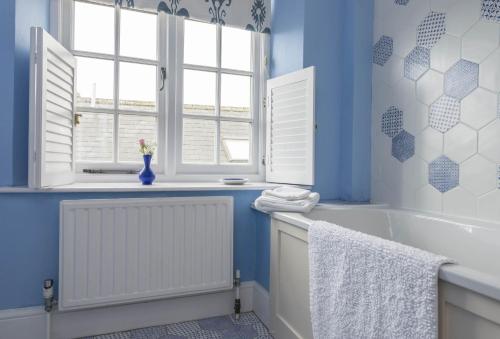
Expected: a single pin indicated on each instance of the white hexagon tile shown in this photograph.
(437, 106)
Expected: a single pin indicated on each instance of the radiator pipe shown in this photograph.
(237, 301)
(48, 297)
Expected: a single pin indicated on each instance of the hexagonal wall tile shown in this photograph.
(444, 113)
(417, 62)
(461, 16)
(487, 206)
(391, 72)
(460, 143)
(416, 117)
(489, 72)
(392, 121)
(491, 10)
(382, 50)
(489, 141)
(403, 146)
(461, 79)
(442, 5)
(480, 41)
(429, 144)
(478, 175)
(446, 53)
(459, 202)
(479, 108)
(401, 2)
(431, 29)
(443, 174)
(430, 87)
(428, 199)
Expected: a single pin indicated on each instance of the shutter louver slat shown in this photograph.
(290, 128)
(52, 97)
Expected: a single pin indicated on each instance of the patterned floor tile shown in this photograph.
(226, 327)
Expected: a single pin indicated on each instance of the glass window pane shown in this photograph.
(138, 34)
(132, 128)
(137, 87)
(235, 96)
(236, 48)
(94, 28)
(199, 141)
(235, 142)
(94, 82)
(94, 137)
(199, 92)
(200, 43)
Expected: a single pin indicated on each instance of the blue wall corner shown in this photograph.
(287, 39)
(28, 13)
(263, 248)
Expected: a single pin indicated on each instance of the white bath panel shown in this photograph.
(131, 250)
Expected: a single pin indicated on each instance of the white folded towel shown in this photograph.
(272, 204)
(288, 193)
(367, 287)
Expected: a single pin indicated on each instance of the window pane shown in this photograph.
(131, 129)
(94, 85)
(138, 34)
(236, 48)
(235, 142)
(137, 87)
(199, 141)
(94, 137)
(235, 96)
(199, 92)
(200, 43)
(94, 28)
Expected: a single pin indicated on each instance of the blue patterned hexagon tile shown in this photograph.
(224, 327)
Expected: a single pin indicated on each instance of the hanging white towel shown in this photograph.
(288, 193)
(272, 204)
(362, 286)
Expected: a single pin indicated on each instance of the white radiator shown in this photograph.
(128, 250)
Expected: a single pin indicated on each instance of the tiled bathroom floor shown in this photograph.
(225, 327)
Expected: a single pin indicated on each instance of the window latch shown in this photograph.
(163, 75)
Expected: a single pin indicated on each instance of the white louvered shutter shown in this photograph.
(290, 128)
(52, 112)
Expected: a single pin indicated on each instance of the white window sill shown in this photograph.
(137, 187)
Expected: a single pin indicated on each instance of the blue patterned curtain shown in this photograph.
(253, 15)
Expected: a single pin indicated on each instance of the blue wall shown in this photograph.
(337, 39)
(7, 60)
(29, 240)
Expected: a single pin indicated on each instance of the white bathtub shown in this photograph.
(469, 290)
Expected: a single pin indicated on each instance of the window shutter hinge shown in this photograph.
(263, 161)
(34, 156)
(36, 58)
(264, 103)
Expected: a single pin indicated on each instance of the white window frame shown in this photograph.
(170, 55)
(254, 73)
(68, 11)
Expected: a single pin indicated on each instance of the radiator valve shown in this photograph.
(48, 294)
(237, 302)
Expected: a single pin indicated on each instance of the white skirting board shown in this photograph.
(30, 323)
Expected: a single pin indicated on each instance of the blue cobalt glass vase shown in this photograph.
(147, 175)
